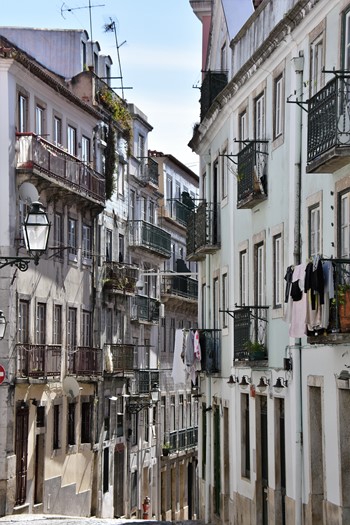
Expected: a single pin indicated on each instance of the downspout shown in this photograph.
(297, 365)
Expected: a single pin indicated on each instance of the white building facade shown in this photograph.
(273, 144)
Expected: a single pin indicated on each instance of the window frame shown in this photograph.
(278, 106)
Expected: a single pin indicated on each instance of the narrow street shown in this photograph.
(46, 519)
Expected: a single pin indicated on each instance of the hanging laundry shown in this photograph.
(179, 368)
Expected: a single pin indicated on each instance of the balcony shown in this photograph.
(213, 83)
(144, 380)
(62, 172)
(337, 330)
(85, 361)
(38, 361)
(178, 212)
(250, 323)
(210, 343)
(118, 358)
(145, 309)
(180, 287)
(150, 237)
(328, 138)
(183, 439)
(252, 175)
(148, 171)
(119, 277)
(203, 231)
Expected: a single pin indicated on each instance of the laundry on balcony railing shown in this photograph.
(195, 351)
(317, 294)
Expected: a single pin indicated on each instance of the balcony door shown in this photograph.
(22, 416)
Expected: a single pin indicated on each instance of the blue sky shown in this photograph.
(160, 60)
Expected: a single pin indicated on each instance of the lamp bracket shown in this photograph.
(21, 263)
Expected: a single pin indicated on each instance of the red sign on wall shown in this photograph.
(2, 374)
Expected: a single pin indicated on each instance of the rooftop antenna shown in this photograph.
(64, 8)
(111, 27)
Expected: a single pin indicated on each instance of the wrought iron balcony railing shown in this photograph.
(183, 439)
(203, 231)
(178, 211)
(250, 324)
(85, 361)
(150, 237)
(118, 358)
(180, 286)
(210, 343)
(148, 171)
(252, 174)
(145, 308)
(328, 137)
(38, 361)
(120, 277)
(40, 157)
(213, 83)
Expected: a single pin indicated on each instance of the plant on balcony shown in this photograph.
(343, 298)
(255, 350)
(119, 112)
(110, 162)
(166, 448)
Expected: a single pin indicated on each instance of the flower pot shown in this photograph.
(165, 452)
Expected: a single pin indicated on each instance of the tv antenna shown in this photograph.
(108, 28)
(65, 8)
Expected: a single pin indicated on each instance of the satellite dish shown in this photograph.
(70, 386)
(28, 192)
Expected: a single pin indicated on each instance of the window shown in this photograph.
(72, 237)
(314, 230)
(39, 120)
(172, 334)
(143, 209)
(121, 247)
(57, 324)
(204, 304)
(278, 116)
(57, 131)
(224, 174)
(121, 178)
(56, 434)
(141, 148)
(146, 424)
(108, 245)
(277, 271)
(243, 278)
(107, 417)
(245, 436)
(40, 329)
(133, 495)
(152, 214)
(243, 127)
(105, 470)
(224, 300)
(216, 303)
(85, 149)
(316, 65)
(72, 140)
(120, 417)
(86, 422)
(23, 319)
(87, 242)
(344, 221)
(260, 117)
(259, 274)
(223, 58)
(72, 329)
(169, 194)
(132, 205)
(109, 325)
(22, 113)
(71, 424)
(181, 412)
(86, 333)
(172, 414)
(134, 428)
(58, 234)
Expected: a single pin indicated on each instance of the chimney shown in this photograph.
(256, 3)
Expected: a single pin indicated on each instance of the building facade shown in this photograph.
(273, 144)
(80, 432)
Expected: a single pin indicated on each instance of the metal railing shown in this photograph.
(203, 229)
(213, 83)
(144, 308)
(183, 439)
(180, 286)
(328, 118)
(38, 361)
(147, 235)
(36, 153)
(118, 357)
(148, 171)
(210, 343)
(85, 361)
(251, 171)
(120, 276)
(250, 323)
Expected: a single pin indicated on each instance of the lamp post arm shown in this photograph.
(21, 263)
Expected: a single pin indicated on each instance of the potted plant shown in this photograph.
(255, 350)
(166, 448)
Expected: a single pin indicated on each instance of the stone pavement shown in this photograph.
(47, 519)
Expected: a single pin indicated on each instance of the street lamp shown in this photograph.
(139, 402)
(36, 229)
(3, 324)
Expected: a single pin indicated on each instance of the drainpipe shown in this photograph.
(298, 63)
